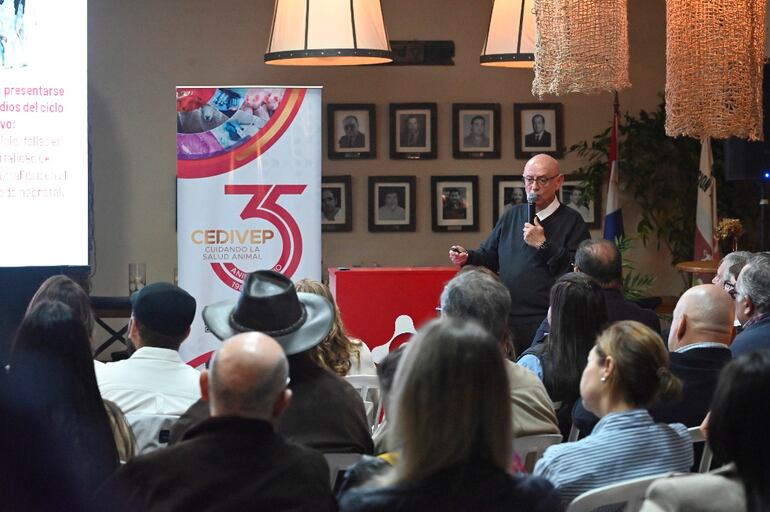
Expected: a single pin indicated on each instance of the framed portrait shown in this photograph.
(476, 130)
(507, 191)
(351, 130)
(537, 128)
(392, 203)
(336, 204)
(573, 195)
(413, 131)
(454, 203)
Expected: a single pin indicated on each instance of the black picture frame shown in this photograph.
(507, 189)
(465, 116)
(425, 120)
(525, 138)
(464, 216)
(589, 208)
(362, 144)
(384, 216)
(338, 188)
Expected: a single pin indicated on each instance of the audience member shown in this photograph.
(601, 260)
(729, 268)
(386, 373)
(338, 352)
(479, 297)
(63, 289)
(326, 412)
(452, 421)
(66, 291)
(233, 460)
(154, 380)
(699, 339)
(52, 377)
(576, 315)
(752, 305)
(737, 427)
(627, 371)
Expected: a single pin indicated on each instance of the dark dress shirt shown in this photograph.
(223, 464)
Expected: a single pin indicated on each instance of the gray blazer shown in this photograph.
(717, 491)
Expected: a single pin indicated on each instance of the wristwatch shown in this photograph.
(544, 246)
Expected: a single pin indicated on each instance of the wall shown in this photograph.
(139, 51)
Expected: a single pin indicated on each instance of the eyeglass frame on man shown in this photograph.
(540, 180)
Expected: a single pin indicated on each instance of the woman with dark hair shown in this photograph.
(737, 432)
(52, 375)
(627, 371)
(63, 289)
(451, 418)
(576, 315)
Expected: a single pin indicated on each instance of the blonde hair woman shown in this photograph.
(338, 352)
(627, 372)
(451, 416)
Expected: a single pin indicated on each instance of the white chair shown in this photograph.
(339, 462)
(531, 448)
(696, 436)
(630, 492)
(150, 430)
(368, 386)
(574, 434)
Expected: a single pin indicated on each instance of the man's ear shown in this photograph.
(681, 329)
(281, 403)
(204, 384)
(748, 306)
(609, 368)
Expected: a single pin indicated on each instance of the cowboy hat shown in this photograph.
(269, 304)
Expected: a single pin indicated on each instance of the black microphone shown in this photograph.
(531, 197)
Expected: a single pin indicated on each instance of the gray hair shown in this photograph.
(477, 296)
(255, 397)
(754, 281)
(734, 262)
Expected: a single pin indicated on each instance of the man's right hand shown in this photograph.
(458, 255)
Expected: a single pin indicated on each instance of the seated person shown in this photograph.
(154, 380)
(576, 314)
(737, 432)
(326, 413)
(627, 371)
(452, 422)
(752, 305)
(475, 295)
(234, 460)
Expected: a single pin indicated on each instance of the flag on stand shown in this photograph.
(613, 218)
(706, 247)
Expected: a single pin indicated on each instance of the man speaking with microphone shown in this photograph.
(531, 245)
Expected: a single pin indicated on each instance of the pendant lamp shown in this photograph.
(328, 33)
(511, 36)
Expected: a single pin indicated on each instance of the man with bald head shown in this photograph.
(234, 460)
(699, 339)
(530, 257)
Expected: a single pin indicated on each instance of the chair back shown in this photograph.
(368, 386)
(531, 448)
(630, 492)
(338, 463)
(150, 430)
(696, 436)
(574, 433)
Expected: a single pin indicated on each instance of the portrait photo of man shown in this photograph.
(352, 136)
(454, 205)
(539, 137)
(477, 132)
(391, 199)
(412, 130)
(572, 196)
(331, 212)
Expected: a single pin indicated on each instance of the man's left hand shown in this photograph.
(534, 235)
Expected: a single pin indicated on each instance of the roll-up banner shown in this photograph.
(248, 192)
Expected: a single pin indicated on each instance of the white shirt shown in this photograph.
(153, 380)
(548, 211)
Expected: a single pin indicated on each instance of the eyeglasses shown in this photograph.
(730, 289)
(541, 180)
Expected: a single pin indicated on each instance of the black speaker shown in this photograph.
(746, 160)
